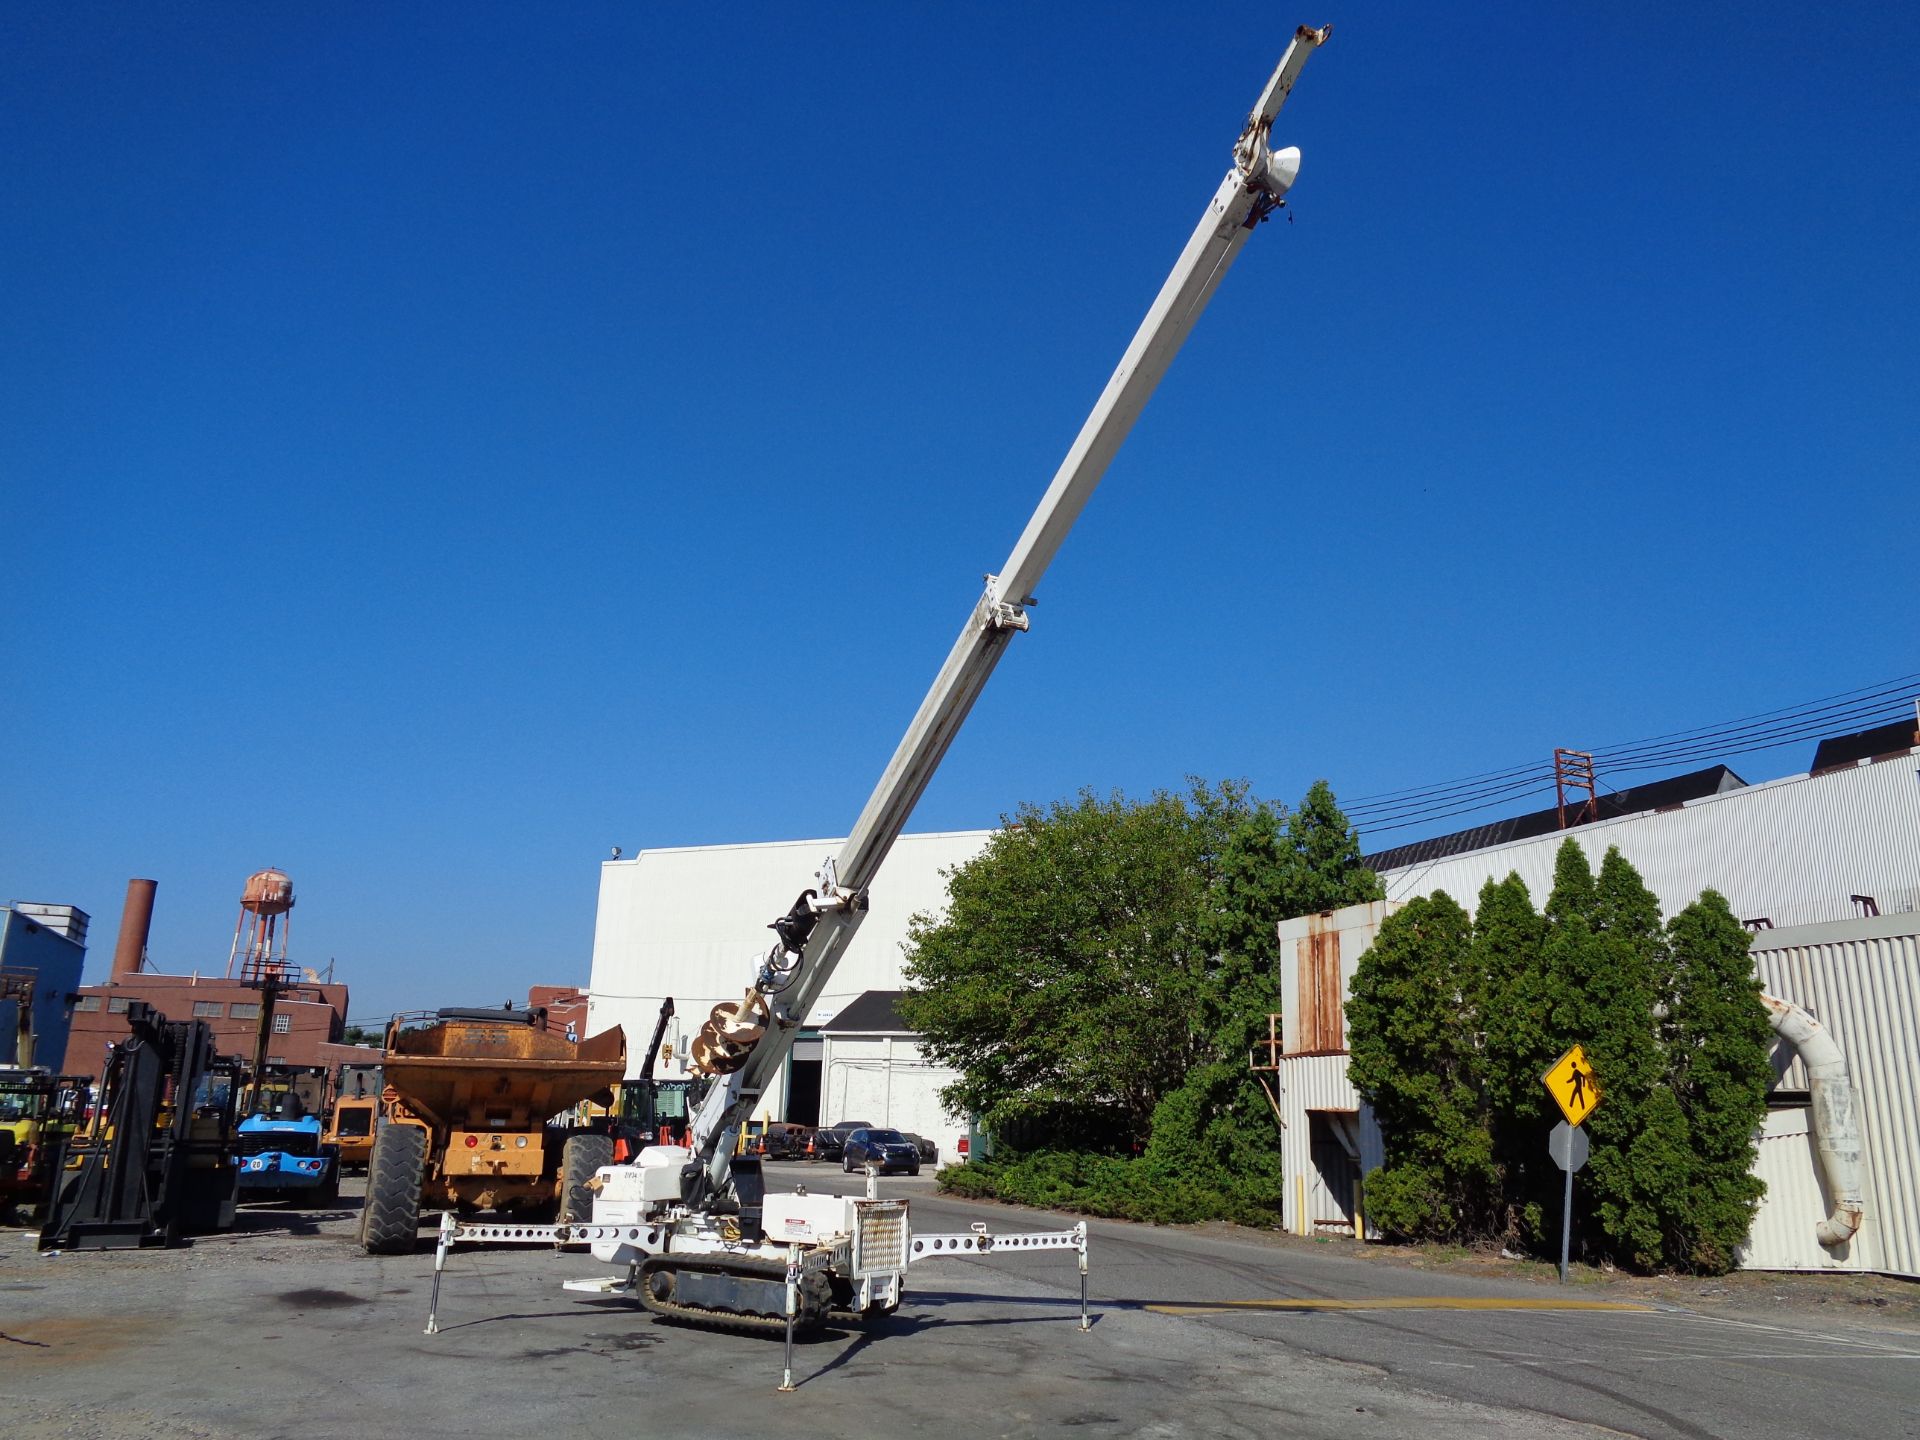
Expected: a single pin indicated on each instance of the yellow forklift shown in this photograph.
(38, 1112)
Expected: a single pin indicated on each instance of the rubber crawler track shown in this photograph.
(815, 1295)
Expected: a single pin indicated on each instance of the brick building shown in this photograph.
(303, 1023)
(566, 1008)
(308, 1017)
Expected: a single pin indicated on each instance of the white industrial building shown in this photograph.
(1796, 851)
(1824, 867)
(691, 924)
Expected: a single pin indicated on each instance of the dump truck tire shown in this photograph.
(579, 1159)
(390, 1220)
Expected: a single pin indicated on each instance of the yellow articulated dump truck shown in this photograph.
(467, 1121)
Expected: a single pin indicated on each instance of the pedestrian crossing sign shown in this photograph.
(1573, 1085)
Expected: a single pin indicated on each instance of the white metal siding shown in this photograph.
(692, 924)
(1861, 980)
(886, 1079)
(1792, 850)
(1783, 1228)
(1317, 1082)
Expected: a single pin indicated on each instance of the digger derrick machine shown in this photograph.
(714, 1244)
(702, 1241)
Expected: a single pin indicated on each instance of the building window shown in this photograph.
(243, 1010)
(116, 1004)
(282, 1024)
(87, 1002)
(276, 1059)
(209, 1009)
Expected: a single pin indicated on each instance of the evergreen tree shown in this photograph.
(1641, 1141)
(1411, 1033)
(1249, 877)
(1718, 1071)
(1262, 867)
(1321, 859)
(1217, 1126)
(1516, 1049)
(1573, 890)
(1507, 936)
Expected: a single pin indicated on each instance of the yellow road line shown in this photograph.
(1398, 1302)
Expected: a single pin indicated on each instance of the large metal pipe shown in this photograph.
(1836, 1128)
(136, 919)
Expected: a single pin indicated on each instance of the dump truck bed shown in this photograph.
(475, 1072)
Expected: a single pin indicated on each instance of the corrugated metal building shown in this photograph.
(1805, 854)
(1861, 980)
(1789, 852)
(691, 923)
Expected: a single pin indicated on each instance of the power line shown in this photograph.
(1904, 683)
(1861, 700)
(1825, 718)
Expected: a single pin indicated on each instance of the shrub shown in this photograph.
(1108, 1186)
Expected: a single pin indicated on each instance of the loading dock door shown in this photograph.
(803, 1082)
(1333, 1188)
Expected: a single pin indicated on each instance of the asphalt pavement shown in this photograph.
(285, 1328)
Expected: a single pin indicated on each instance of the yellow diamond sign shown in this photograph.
(1573, 1085)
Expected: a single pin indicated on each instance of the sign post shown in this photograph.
(1576, 1090)
(1568, 1147)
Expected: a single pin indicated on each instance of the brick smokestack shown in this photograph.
(136, 919)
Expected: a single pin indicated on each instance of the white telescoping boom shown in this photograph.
(701, 1240)
(746, 1044)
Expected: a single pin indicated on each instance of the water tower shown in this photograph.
(260, 934)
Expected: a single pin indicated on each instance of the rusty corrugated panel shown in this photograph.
(1318, 957)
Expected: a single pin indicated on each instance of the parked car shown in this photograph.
(882, 1150)
(929, 1152)
(830, 1143)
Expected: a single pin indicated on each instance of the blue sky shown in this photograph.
(442, 442)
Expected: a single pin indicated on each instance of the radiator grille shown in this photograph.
(879, 1238)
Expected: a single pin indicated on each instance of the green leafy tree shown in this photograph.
(1412, 1024)
(1217, 1125)
(1124, 955)
(1069, 967)
(1718, 1071)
